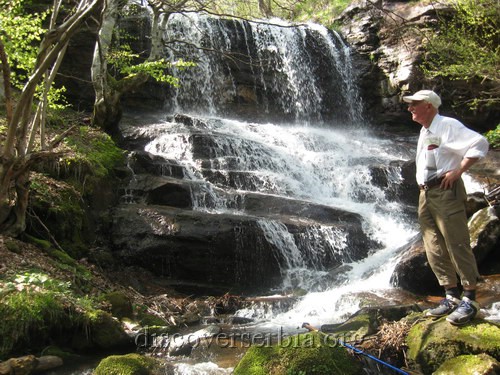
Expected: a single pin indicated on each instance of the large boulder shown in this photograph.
(413, 272)
(432, 342)
(231, 251)
(484, 227)
(306, 353)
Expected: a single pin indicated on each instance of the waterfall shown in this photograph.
(228, 161)
(272, 112)
(293, 72)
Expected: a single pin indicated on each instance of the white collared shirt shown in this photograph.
(449, 141)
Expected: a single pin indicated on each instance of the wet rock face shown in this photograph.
(168, 222)
(413, 273)
(388, 37)
(221, 250)
(184, 245)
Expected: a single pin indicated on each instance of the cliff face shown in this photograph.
(389, 38)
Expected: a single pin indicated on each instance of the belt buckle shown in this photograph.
(425, 187)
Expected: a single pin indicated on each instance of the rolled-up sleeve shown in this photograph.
(478, 148)
(464, 141)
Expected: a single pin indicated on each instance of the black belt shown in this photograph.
(431, 183)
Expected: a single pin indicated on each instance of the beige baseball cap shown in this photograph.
(426, 95)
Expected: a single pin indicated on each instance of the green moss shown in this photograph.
(357, 326)
(95, 154)
(105, 332)
(432, 342)
(469, 364)
(58, 212)
(58, 352)
(256, 361)
(129, 364)
(12, 246)
(56, 196)
(29, 318)
(310, 353)
(121, 307)
(38, 242)
(85, 161)
(38, 310)
(146, 319)
(151, 320)
(63, 260)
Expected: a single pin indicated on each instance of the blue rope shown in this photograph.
(359, 351)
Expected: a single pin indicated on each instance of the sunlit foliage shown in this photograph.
(467, 47)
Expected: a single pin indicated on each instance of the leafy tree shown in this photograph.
(25, 122)
(322, 11)
(467, 47)
(493, 137)
(22, 33)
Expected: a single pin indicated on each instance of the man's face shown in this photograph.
(421, 112)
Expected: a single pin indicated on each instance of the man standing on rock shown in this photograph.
(445, 150)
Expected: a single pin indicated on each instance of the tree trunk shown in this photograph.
(106, 108)
(15, 187)
(6, 82)
(265, 8)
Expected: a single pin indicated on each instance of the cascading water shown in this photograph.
(290, 72)
(318, 153)
(318, 165)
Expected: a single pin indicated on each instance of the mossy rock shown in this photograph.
(481, 364)
(121, 307)
(32, 319)
(106, 332)
(432, 342)
(12, 246)
(59, 352)
(310, 353)
(147, 320)
(58, 205)
(128, 364)
(356, 327)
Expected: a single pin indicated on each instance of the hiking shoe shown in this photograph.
(464, 313)
(446, 306)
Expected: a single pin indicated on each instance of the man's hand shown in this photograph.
(449, 178)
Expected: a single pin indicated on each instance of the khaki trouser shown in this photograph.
(443, 223)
